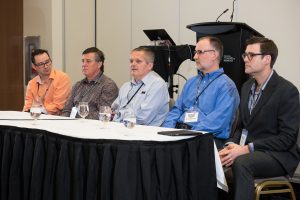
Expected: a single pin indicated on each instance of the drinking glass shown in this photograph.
(35, 112)
(129, 119)
(104, 116)
(114, 110)
(83, 109)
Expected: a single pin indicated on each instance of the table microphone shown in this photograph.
(222, 14)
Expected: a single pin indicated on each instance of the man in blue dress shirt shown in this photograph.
(146, 94)
(208, 101)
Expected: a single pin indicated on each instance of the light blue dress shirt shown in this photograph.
(150, 104)
(216, 105)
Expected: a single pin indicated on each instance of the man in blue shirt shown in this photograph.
(146, 94)
(208, 101)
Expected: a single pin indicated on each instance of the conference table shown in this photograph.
(63, 158)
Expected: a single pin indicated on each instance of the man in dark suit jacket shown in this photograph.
(265, 142)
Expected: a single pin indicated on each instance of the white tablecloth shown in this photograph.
(90, 129)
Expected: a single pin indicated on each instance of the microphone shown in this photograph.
(222, 14)
(231, 16)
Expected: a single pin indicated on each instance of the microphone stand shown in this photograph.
(231, 16)
(222, 14)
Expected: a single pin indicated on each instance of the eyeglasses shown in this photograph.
(198, 52)
(251, 55)
(47, 62)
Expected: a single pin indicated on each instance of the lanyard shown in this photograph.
(133, 95)
(44, 95)
(200, 93)
(255, 96)
(254, 99)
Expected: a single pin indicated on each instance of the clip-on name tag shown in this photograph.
(191, 116)
(243, 137)
(73, 113)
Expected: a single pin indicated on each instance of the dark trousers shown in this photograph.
(250, 166)
(219, 143)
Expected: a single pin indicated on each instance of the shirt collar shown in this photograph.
(133, 82)
(146, 80)
(266, 82)
(52, 76)
(95, 80)
(211, 74)
(253, 87)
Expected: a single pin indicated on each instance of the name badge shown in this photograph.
(191, 116)
(243, 137)
(73, 113)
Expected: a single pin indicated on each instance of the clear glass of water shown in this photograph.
(129, 119)
(104, 116)
(35, 112)
(83, 109)
(114, 110)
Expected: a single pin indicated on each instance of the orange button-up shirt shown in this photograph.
(53, 93)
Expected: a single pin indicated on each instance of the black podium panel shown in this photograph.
(233, 36)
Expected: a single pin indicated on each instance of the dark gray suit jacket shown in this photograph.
(274, 122)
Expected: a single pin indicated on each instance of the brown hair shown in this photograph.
(267, 47)
(36, 52)
(99, 55)
(150, 54)
(216, 44)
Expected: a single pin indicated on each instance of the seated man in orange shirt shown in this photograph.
(50, 88)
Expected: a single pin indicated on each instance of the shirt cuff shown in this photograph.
(228, 143)
(251, 147)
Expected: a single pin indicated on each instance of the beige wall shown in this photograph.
(79, 34)
(115, 37)
(120, 24)
(278, 20)
(44, 18)
(38, 21)
(57, 37)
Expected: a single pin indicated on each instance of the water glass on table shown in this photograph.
(129, 119)
(35, 112)
(83, 109)
(104, 116)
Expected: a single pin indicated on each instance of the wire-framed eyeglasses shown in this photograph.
(199, 52)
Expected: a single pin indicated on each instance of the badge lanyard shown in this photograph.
(200, 93)
(44, 95)
(253, 100)
(191, 115)
(133, 95)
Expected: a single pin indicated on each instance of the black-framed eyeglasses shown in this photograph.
(198, 52)
(251, 55)
(47, 62)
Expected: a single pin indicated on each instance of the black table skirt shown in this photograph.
(36, 164)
